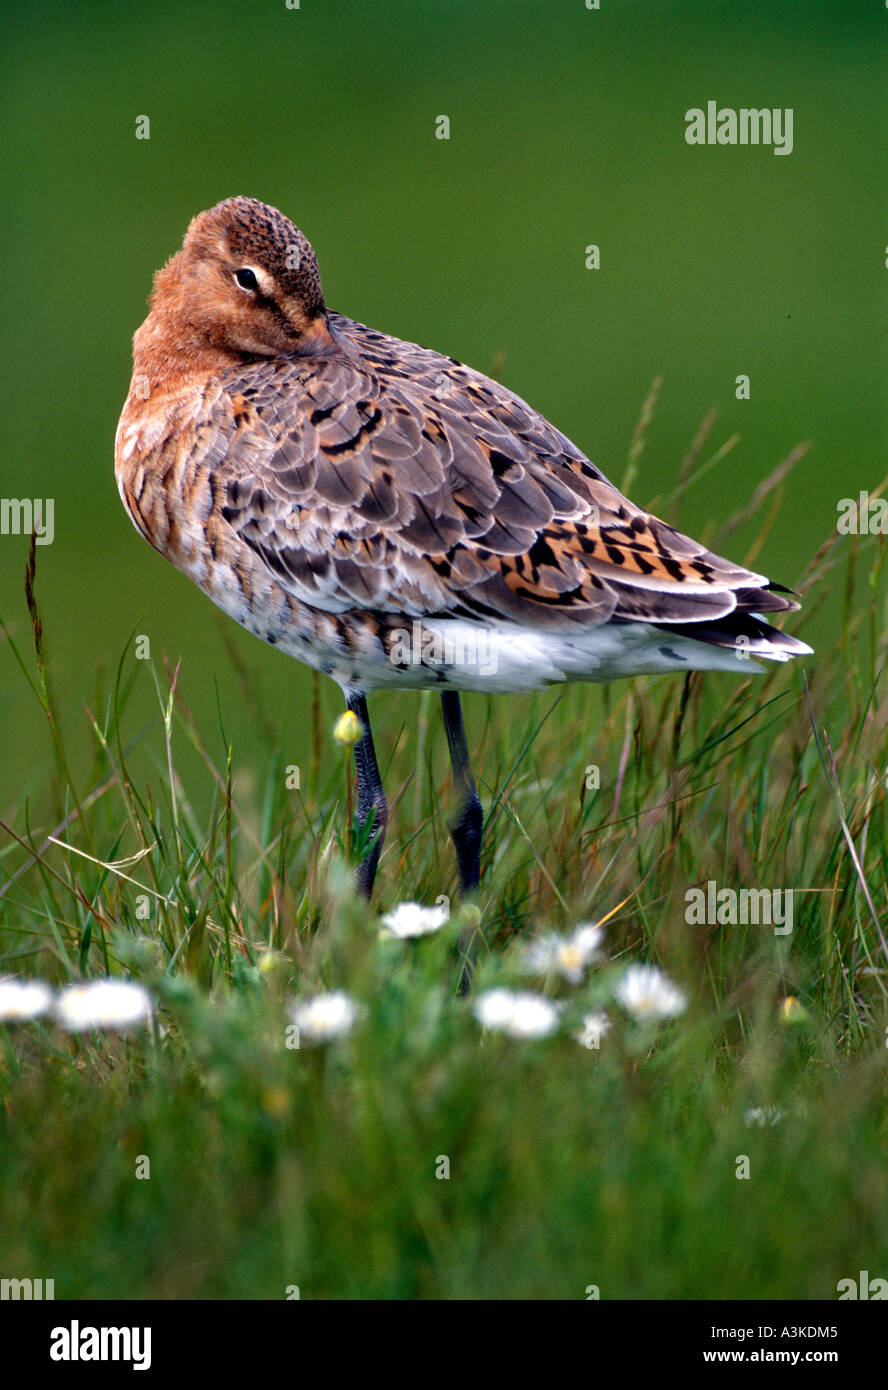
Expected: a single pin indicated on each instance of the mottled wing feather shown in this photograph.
(387, 477)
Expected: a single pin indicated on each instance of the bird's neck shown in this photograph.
(168, 355)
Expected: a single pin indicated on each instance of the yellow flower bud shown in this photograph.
(348, 729)
(791, 1011)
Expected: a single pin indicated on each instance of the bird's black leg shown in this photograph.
(465, 831)
(371, 797)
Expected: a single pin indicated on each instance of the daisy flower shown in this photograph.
(115, 1004)
(325, 1017)
(23, 999)
(568, 955)
(411, 919)
(521, 1014)
(593, 1029)
(648, 994)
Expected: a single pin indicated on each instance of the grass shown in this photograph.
(571, 1170)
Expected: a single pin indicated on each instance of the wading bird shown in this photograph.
(390, 516)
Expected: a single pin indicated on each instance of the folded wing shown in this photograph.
(389, 478)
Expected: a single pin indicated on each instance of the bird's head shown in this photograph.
(246, 282)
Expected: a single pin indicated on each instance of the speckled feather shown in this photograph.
(326, 493)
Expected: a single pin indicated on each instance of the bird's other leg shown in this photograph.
(465, 831)
(371, 797)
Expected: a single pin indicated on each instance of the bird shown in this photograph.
(393, 518)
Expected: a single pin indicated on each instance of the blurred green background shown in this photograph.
(567, 128)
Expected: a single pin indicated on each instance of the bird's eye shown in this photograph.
(246, 279)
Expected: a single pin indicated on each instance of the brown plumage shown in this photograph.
(327, 484)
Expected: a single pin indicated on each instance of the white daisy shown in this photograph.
(520, 1013)
(594, 1027)
(569, 955)
(649, 994)
(411, 919)
(324, 1017)
(117, 1004)
(23, 999)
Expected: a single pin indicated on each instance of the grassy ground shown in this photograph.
(571, 1169)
